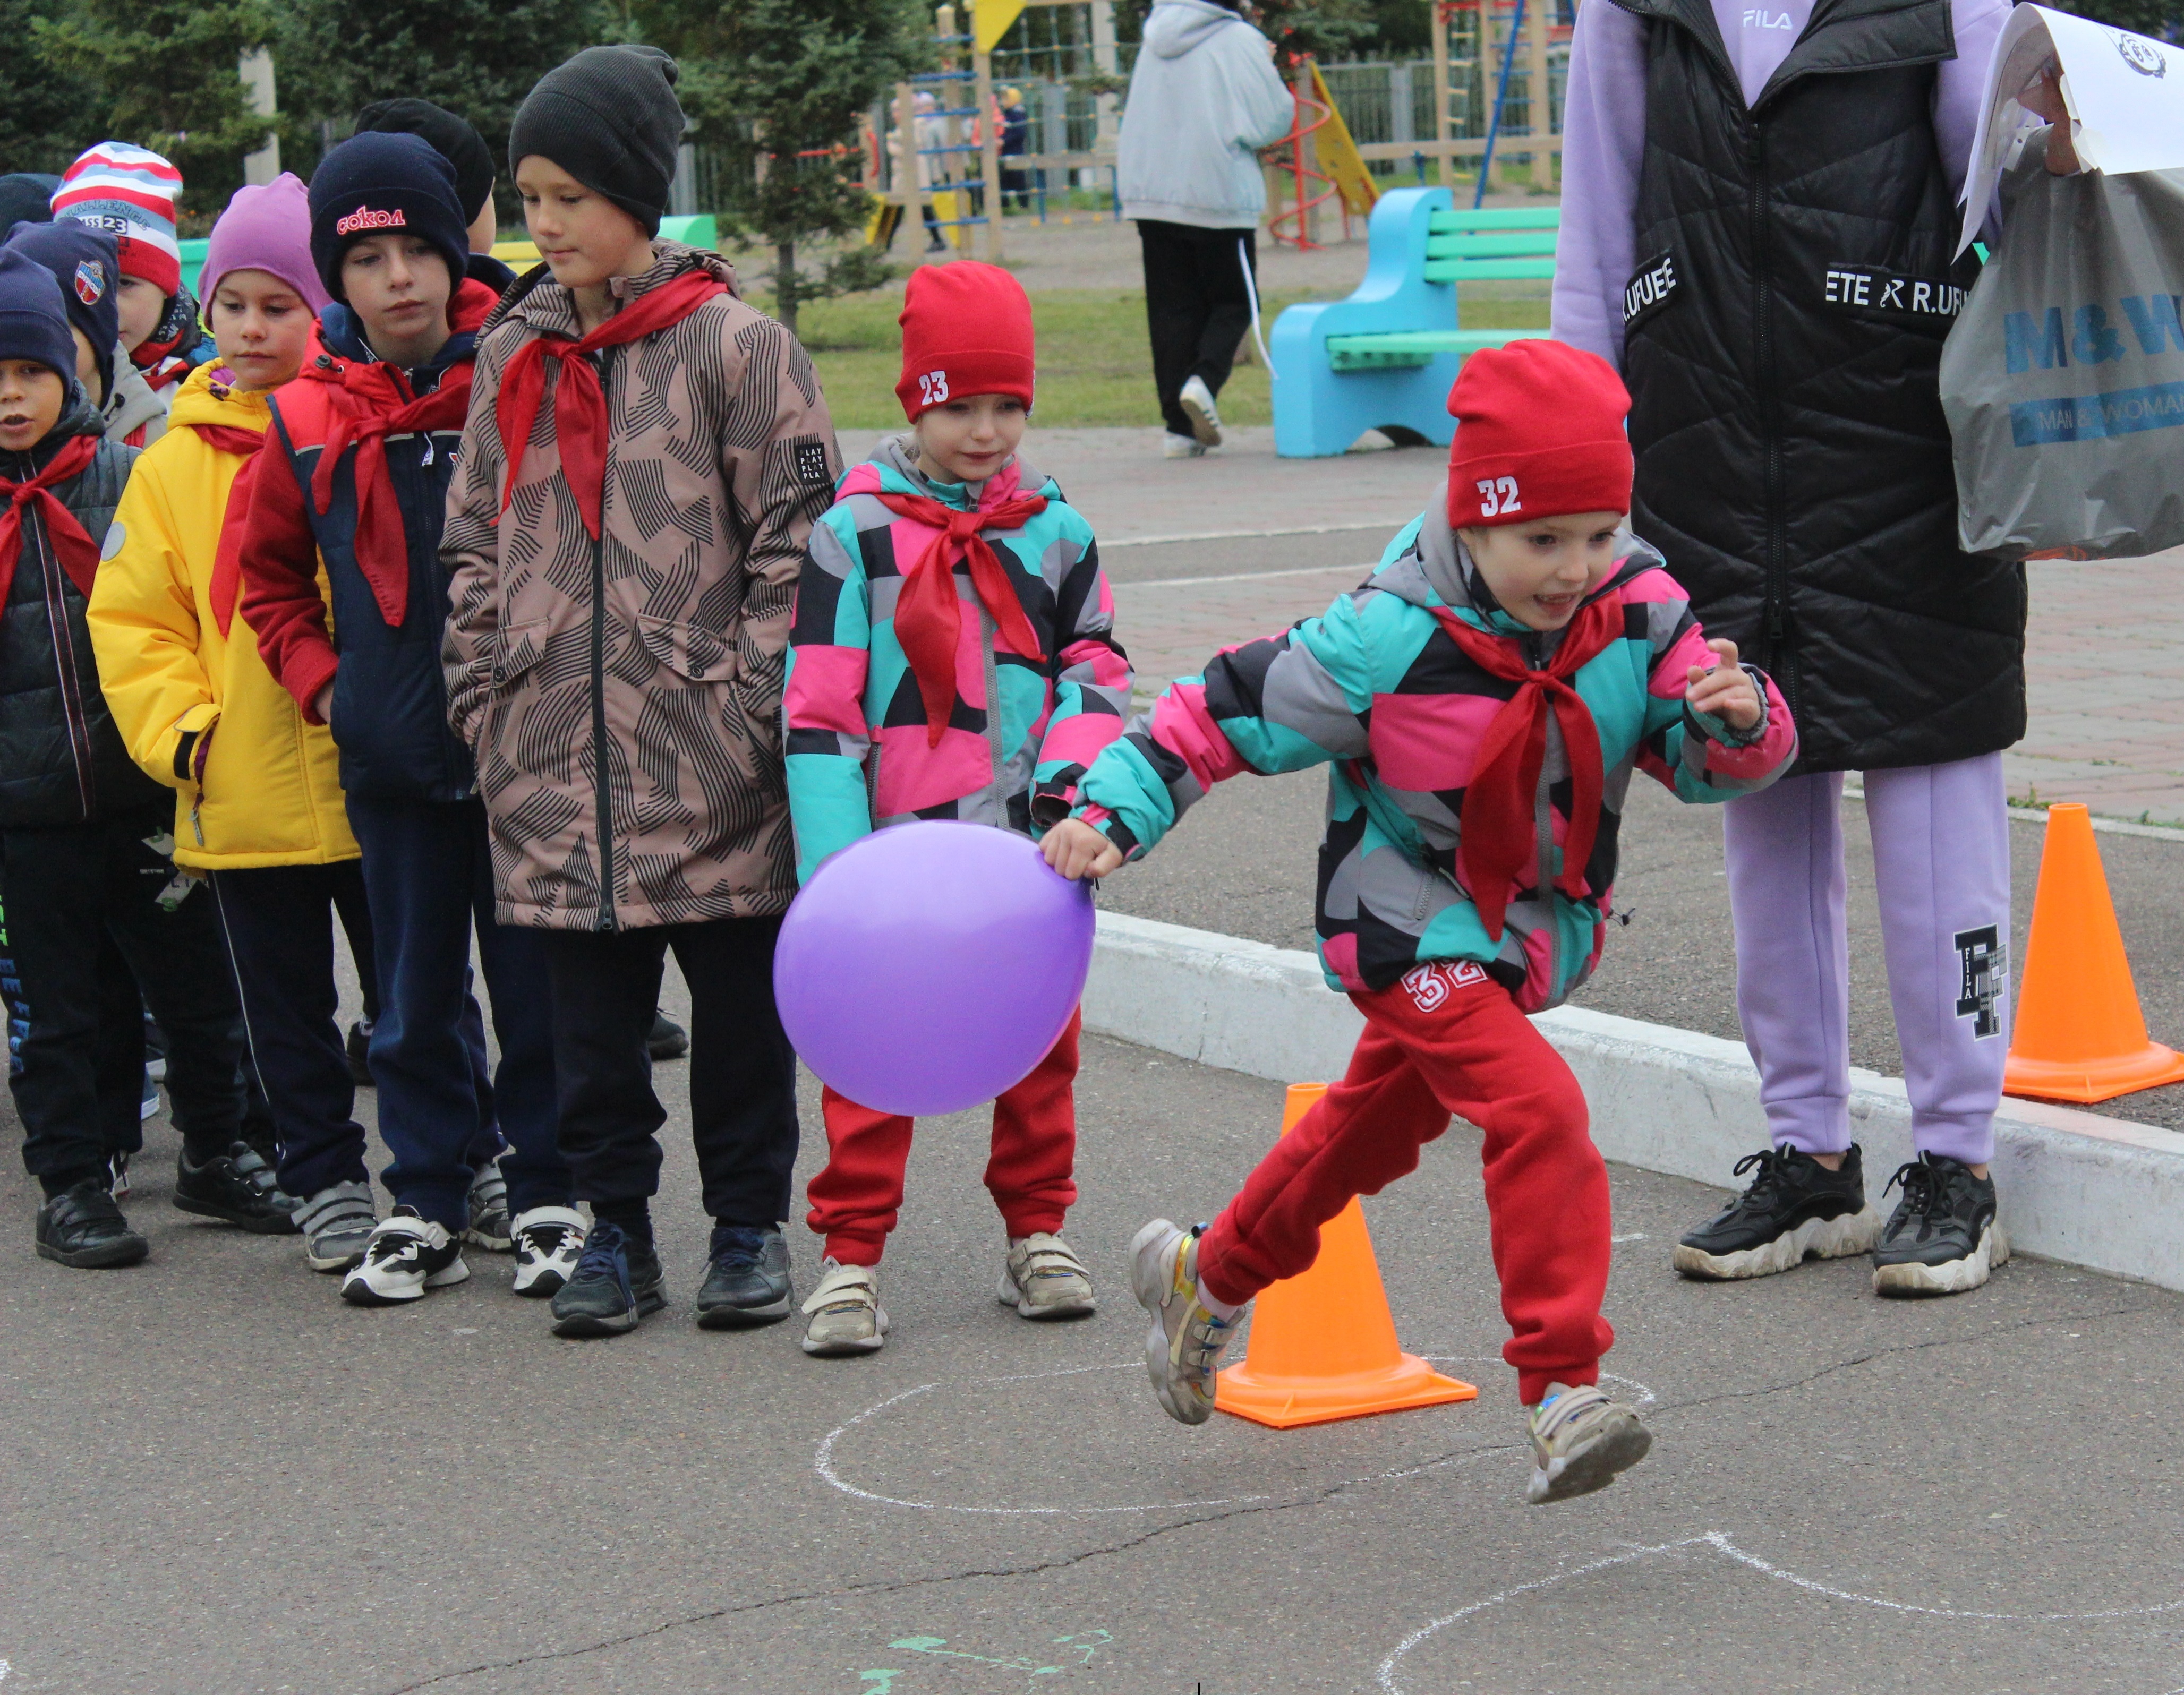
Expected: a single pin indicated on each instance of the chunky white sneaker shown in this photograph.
(549, 1242)
(1043, 1278)
(337, 1223)
(846, 1314)
(1197, 402)
(406, 1256)
(1181, 448)
(1183, 1347)
(489, 1227)
(1581, 1439)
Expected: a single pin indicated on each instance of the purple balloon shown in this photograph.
(930, 966)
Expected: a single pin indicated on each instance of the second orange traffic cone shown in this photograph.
(2078, 1033)
(1322, 1343)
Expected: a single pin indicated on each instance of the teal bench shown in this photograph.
(1385, 359)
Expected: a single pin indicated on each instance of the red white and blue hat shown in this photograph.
(130, 193)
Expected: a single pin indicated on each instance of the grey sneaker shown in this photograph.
(490, 1226)
(846, 1315)
(1581, 1439)
(746, 1279)
(335, 1224)
(1043, 1278)
(1197, 402)
(1183, 1347)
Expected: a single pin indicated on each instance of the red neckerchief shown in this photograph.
(580, 403)
(1499, 826)
(78, 553)
(227, 561)
(929, 617)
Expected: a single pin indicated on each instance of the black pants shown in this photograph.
(280, 927)
(1197, 309)
(742, 1073)
(93, 947)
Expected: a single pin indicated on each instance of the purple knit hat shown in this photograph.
(267, 228)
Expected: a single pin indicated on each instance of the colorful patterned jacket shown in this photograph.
(1022, 729)
(1376, 687)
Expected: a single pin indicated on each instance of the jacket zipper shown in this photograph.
(1543, 825)
(602, 788)
(1781, 659)
(72, 712)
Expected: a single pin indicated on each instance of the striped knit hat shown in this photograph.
(130, 193)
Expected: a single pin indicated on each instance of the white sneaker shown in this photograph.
(1043, 1278)
(406, 1256)
(1580, 1439)
(548, 1242)
(846, 1315)
(1181, 447)
(1183, 1347)
(1197, 402)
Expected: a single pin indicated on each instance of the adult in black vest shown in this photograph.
(1759, 219)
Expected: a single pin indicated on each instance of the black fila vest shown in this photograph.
(1784, 326)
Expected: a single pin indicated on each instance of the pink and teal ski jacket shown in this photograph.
(1375, 688)
(1022, 729)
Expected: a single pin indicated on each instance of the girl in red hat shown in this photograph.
(1483, 700)
(944, 666)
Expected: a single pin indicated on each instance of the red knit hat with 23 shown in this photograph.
(965, 331)
(1539, 434)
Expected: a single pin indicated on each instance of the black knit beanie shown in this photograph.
(374, 183)
(609, 117)
(458, 143)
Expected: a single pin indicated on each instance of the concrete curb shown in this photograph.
(2100, 1192)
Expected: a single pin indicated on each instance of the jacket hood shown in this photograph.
(207, 397)
(1176, 26)
(895, 458)
(543, 304)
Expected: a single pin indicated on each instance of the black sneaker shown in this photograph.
(1944, 1236)
(748, 1281)
(360, 1052)
(668, 1040)
(83, 1227)
(1796, 1209)
(617, 1282)
(237, 1187)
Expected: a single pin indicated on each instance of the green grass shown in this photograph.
(1094, 363)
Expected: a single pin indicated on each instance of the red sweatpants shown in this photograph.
(855, 1199)
(1447, 1039)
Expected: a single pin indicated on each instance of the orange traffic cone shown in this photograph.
(2080, 1035)
(1322, 1343)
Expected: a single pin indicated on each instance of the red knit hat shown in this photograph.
(1539, 434)
(966, 329)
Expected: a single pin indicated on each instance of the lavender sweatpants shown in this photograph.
(1940, 853)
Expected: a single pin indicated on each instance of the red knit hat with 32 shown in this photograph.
(1539, 434)
(965, 331)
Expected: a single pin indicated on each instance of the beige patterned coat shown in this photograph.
(623, 698)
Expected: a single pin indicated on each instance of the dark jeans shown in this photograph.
(280, 929)
(429, 874)
(1196, 307)
(742, 1073)
(93, 947)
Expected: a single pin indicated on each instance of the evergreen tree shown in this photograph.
(479, 57)
(799, 74)
(52, 112)
(167, 70)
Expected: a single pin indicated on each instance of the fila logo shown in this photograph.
(365, 217)
(1498, 495)
(932, 387)
(1985, 959)
(1431, 986)
(90, 281)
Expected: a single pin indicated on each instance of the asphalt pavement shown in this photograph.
(220, 1478)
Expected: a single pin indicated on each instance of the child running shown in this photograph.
(1483, 697)
(952, 657)
(355, 494)
(257, 798)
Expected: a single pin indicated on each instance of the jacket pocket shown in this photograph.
(516, 649)
(693, 652)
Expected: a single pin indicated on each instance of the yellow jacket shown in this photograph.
(271, 792)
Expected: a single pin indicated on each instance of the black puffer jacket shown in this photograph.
(1783, 334)
(61, 759)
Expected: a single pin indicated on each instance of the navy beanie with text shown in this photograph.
(376, 183)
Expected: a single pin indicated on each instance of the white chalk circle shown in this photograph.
(829, 1461)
